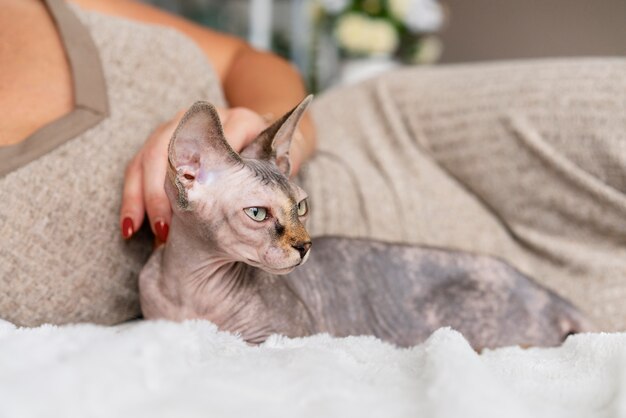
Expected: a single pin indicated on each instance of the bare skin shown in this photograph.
(238, 234)
(34, 71)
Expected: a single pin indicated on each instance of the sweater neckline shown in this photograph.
(90, 95)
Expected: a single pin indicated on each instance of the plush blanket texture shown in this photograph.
(164, 369)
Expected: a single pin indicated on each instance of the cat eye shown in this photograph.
(303, 208)
(256, 214)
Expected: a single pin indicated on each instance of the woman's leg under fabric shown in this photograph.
(521, 160)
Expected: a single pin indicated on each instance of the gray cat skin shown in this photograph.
(237, 235)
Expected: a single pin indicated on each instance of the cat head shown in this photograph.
(242, 206)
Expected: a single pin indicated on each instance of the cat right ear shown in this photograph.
(274, 142)
(197, 147)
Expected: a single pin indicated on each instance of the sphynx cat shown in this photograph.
(238, 245)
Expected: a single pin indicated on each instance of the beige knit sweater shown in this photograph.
(521, 160)
(62, 258)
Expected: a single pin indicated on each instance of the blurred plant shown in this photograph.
(403, 29)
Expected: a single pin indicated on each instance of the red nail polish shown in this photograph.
(127, 228)
(162, 229)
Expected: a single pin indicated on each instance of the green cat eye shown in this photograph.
(257, 214)
(303, 208)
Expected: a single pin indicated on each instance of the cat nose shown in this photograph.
(302, 247)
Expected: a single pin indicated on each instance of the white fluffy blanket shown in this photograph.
(163, 369)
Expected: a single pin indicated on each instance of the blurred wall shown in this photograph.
(503, 29)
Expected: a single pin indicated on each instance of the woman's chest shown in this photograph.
(35, 80)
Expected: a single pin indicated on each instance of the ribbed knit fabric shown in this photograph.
(62, 258)
(521, 160)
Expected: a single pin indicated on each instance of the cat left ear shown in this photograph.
(197, 146)
(273, 143)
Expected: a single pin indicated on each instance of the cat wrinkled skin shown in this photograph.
(238, 232)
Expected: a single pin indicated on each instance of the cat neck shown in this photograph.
(190, 261)
(204, 282)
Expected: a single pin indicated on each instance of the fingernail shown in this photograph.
(162, 229)
(127, 228)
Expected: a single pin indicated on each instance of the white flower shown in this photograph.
(399, 8)
(429, 51)
(360, 34)
(350, 31)
(424, 16)
(418, 15)
(334, 6)
(383, 37)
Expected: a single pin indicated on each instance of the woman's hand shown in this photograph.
(273, 86)
(145, 175)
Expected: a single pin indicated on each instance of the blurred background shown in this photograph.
(343, 41)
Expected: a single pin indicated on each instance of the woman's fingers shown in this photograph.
(154, 169)
(241, 126)
(156, 202)
(132, 211)
(143, 186)
(145, 175)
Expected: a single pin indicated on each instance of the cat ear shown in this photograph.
(197, 147)
(273, 143)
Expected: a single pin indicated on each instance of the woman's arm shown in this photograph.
(254, 83)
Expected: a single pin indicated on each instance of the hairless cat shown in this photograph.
(237, 235)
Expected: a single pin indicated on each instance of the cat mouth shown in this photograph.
(279, 270)
(284, 270)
